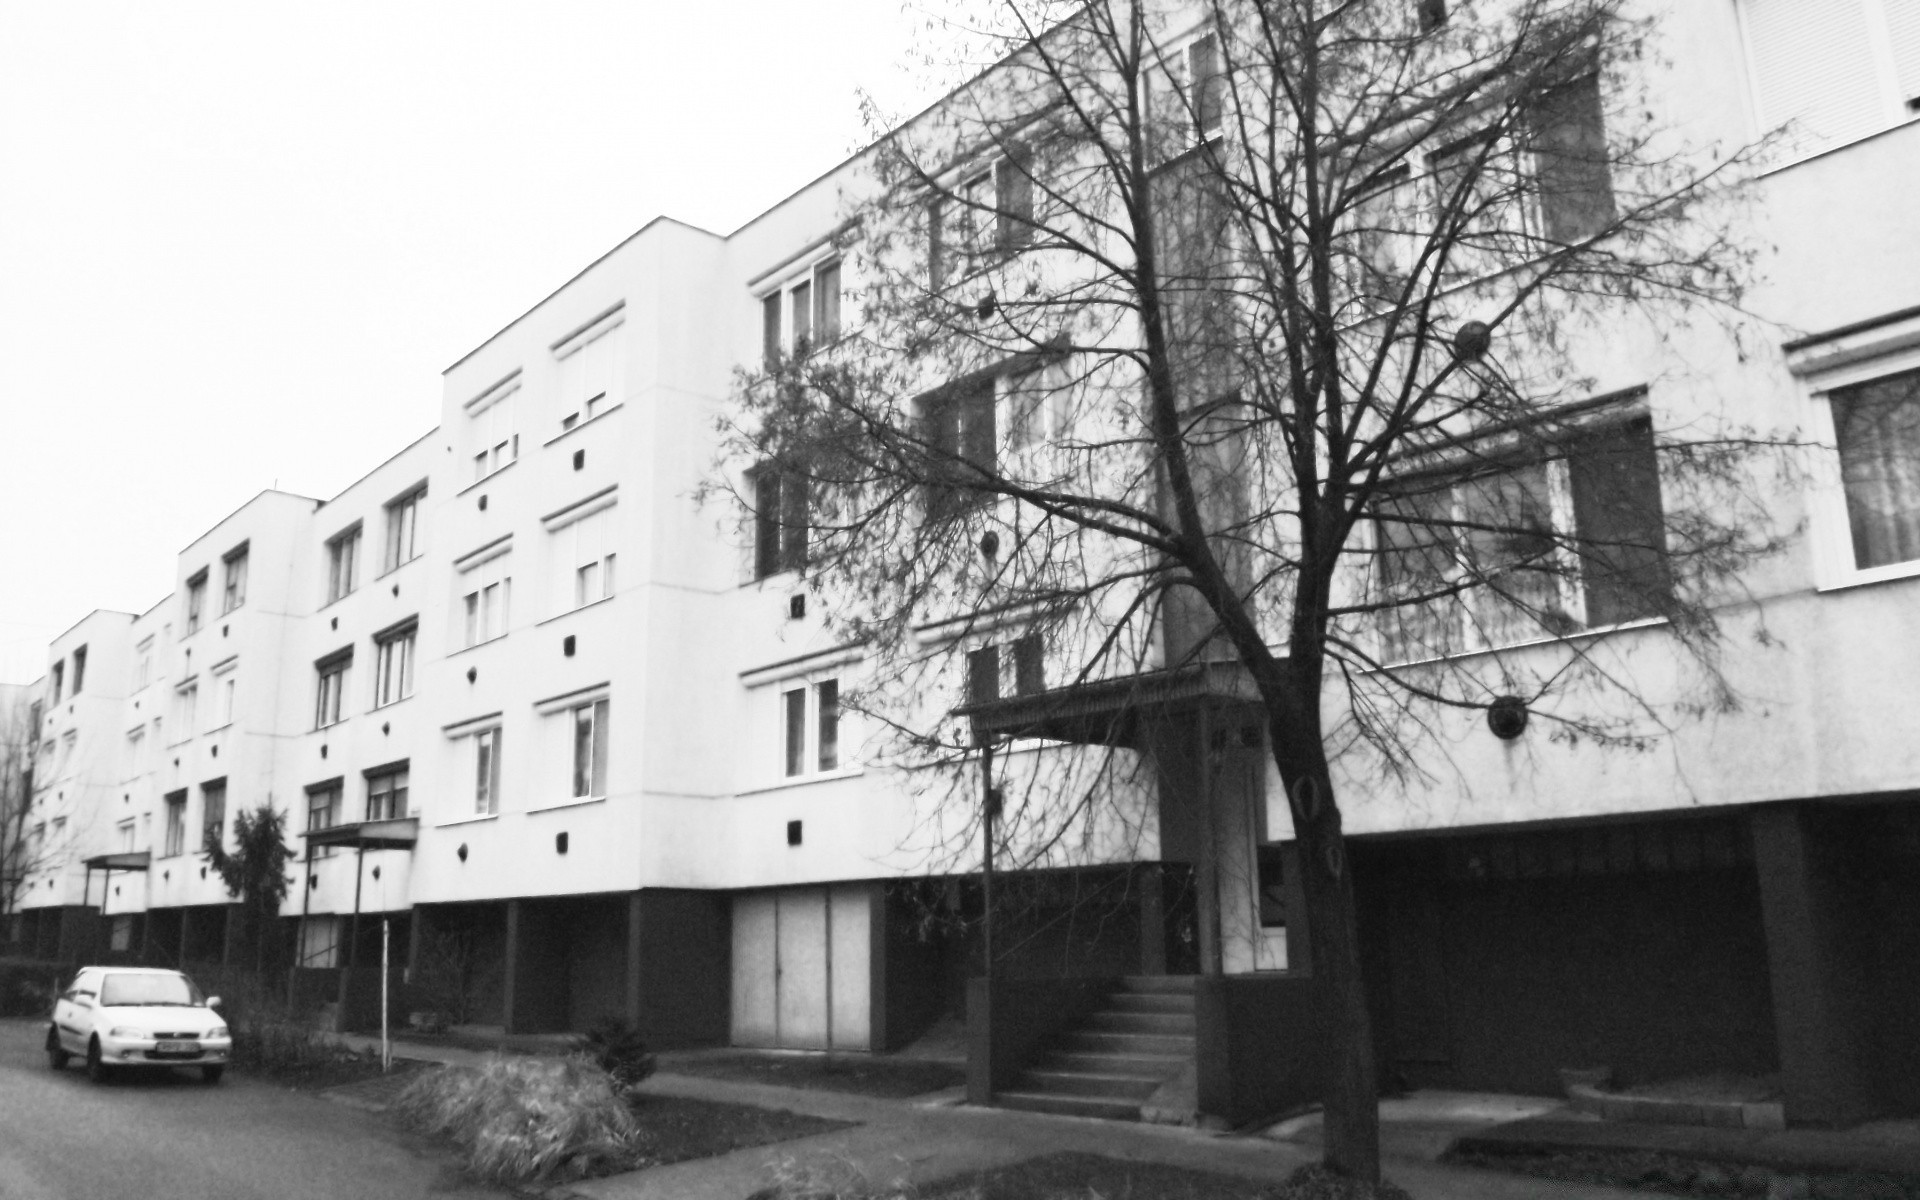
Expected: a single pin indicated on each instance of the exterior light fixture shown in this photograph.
(1472, 341)
(1507, 717)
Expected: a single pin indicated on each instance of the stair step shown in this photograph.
(1088, 1083)
(1158, 983)
(1083, 1041)
(1072, 1106)
(1110, 1021)
(1161, 1066)
(1153, 1002)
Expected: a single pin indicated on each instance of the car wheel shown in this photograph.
(57, 1055)
(96, 1069)
(212, 1073)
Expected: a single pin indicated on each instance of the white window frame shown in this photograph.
(398, 779)
(196, 601)
(809, 273)
(174, 806)
(486, 746)
(331, 675)
(494, 443)
(598, 345)
(483, 594)
(336, 788)
(233, 578)
(403, 529)
(588, 774)
(1836, 364)
(810, 688)
(143, 662)
(343, 562)
(583, 574)
(393, 681)
(1896, 101)
(225, 683)
(186, 699)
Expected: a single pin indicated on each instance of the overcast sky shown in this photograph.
(240, 241)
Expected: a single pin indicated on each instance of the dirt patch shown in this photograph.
(886, 1078)
(674, 1129)
(1090, 1176)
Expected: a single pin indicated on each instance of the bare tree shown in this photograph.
(21, 852)
(1264, 340)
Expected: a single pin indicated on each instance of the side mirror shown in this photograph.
(213, 1002)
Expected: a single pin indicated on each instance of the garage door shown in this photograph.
(802, 964)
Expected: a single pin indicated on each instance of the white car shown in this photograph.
(118, 1017)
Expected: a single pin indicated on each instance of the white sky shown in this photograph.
(240, 241)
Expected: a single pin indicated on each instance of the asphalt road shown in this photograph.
(162, 1137)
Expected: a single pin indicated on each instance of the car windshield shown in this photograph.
(129, 990)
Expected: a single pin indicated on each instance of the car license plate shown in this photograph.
(176, 1047)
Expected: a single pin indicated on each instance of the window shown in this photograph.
(583, 562)
(143, 663)
(233, 591)
(186, 709)
(1877, 429)
(319, 941)
(213, 811)
(79, 668)
(801, 314)
(59, 680)
(343, 556)
(1207, 87)
(1039, 403)
(494, 441)
(486, 771)
(810, 716)
(1832, 71)
(591, 368)
(1432, 14)
(986, 214)
(960, 437)
(196, 601)
(393, 664)
(780, 516)
(589, 749)
(136, 753)
(323, 805)
(403, 529)
(1272, 882)
(123, 837)
(225, 684)
(1568, 143)
(59, 838)
(1020, 671)
(176, 823)
(331, 688)
(1537, 549)
(387, 794)
(485, 590)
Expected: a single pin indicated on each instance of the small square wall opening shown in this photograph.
(796, 607)
(566, 645)
(793, 833)
(579, 459)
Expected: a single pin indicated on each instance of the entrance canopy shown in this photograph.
(128, 861)
(1113, 712)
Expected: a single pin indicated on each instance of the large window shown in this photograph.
(486, 771)
(403, 529)
(393, 664)
(1571, 174)
(233, 591)
(331, 688)
(495, 444)
(801, 313)
(1016, 668)
(589, 722)
(810, 720)
(57, 682)
(343, 558)
(1534, 549)
(1877, 428)
(186, 710)
(590, 374)
(176, 839)
(226, 683)
(986, 213)
(1832, 71)
(213, 811)
(79, 669)
(196, 601)
(143, 663)
(958, 425)
(481, 609)
(387, 793)
(583, 560)
(780, 519)
(323, 805)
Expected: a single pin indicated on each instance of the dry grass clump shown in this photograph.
(524, 1119)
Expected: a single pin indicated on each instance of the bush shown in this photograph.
(27, 987)
(523, 1119)
(619, 1050)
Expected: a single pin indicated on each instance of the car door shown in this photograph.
(73, 1012)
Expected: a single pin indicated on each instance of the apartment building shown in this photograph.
(578, 733)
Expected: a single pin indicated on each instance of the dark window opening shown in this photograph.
(1433, 14)
(1571, 169)
(961, 440)
(1029, 666)
(780, 521)
(983, 675)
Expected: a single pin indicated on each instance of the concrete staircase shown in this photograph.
(1114, 1060)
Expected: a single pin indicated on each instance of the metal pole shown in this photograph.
(989, 809)
(829, 907)
(386, 1047)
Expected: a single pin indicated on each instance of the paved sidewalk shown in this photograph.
(933, 1138)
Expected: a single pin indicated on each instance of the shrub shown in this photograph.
(522, 1119)
(27, 987)
(619, 1050)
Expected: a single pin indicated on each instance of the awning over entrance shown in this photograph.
(397, 834)
(128, 861)
(1113, 712)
